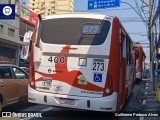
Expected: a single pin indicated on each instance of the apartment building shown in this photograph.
(49, 7)
(9, 36)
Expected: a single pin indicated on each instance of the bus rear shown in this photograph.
(69, 63)
(140, 58)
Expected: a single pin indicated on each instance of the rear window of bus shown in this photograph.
(74, 31)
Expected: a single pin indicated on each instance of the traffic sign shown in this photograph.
(100, 4)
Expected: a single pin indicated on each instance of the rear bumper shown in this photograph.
(107, 104)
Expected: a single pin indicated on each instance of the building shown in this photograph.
(9, 36)
(49, 7)
(28, 21)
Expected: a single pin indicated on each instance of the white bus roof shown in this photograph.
(78, 15)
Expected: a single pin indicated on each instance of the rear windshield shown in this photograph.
(74, 31)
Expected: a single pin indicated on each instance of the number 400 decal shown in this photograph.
(56, 59)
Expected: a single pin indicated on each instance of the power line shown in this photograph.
(136, 12)
(103, 10)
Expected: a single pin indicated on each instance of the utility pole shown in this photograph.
(150, 37)
(150, 24)
(151, 43)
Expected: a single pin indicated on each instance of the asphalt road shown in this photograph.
(54, 113)
(133, 104)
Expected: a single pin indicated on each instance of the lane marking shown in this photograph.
(141, 118)
(145, 93)
(46, 109)
(144, 102)
(146, 87)
(146, 84)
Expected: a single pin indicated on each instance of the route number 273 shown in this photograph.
(98, 65)
(56, 59)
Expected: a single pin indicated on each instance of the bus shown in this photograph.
(82, 61)
(140, 62)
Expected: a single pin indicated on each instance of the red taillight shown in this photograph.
(109, 86)
(31, 71)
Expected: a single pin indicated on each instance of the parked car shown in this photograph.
(146, 74)
(13, 84)
(25, 69)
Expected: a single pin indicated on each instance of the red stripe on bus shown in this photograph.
(70, 77)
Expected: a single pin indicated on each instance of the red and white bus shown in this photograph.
(83, 61)
(140, 62)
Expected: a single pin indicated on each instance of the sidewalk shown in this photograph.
(149, 102)
(142, 100)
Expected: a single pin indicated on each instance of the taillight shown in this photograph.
(108, 86)
(31, 71)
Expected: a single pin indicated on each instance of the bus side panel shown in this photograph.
(114, 63)
(123, 86)
(134, 69)
(122, 80)
(31, 64)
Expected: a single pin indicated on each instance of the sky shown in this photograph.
(24, 3)
(137, 30)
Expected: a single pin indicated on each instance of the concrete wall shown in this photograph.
(9, 32)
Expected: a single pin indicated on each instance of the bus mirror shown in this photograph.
(40, 17)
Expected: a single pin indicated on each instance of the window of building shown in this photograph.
(1, 28)
(11, 32)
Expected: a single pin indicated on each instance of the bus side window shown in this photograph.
(137, 53)
(129, 50)
(122, 45)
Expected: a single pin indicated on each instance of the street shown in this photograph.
(79, 60)
(136, 104)
(56, 113)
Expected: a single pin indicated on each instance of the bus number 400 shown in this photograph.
(56, 59)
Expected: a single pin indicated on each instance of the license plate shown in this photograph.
(66, 101)
(47, 81)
